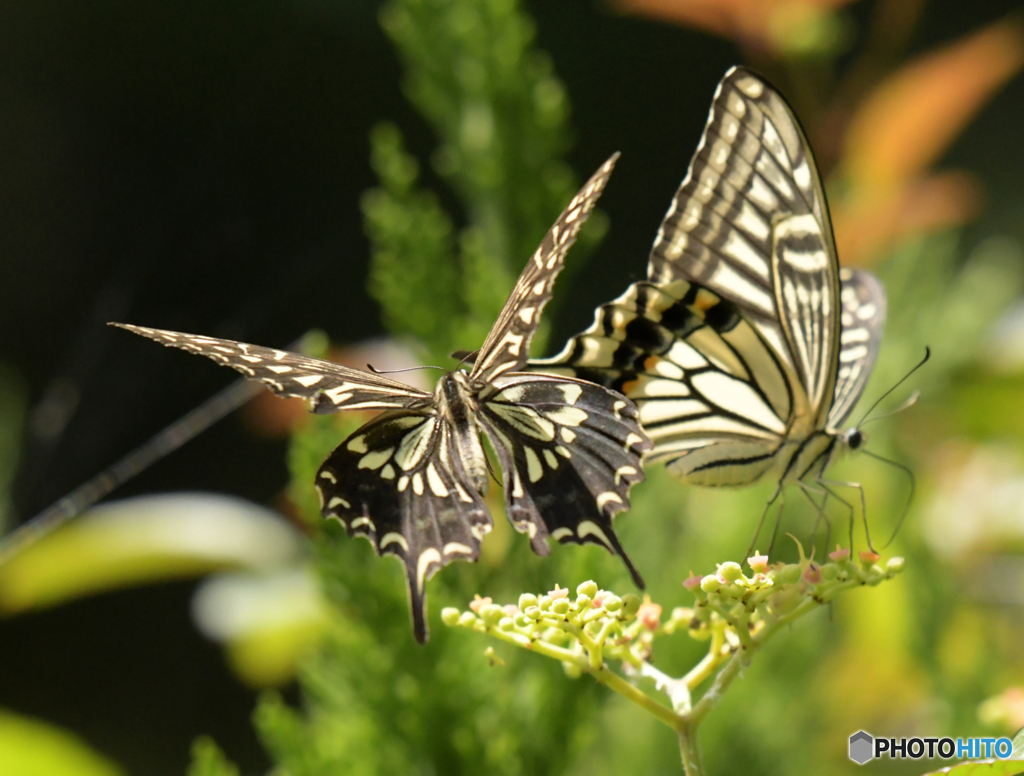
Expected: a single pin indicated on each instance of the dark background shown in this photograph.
(197, 165)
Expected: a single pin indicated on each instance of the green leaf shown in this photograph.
(29, 747)
(209, 760)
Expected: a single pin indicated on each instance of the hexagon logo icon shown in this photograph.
(861, 747)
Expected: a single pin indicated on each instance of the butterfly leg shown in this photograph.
(776, 496)
(863, 506)
(809, 492)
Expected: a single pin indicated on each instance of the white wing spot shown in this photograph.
(308, 380)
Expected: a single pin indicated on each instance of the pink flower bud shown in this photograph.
(559, 592)
(812, 573)
(478, 603)
(598, 601)
(650, 615)
(511, 610)
(692, 583)
(869, 557)
(758, 562)
(839, 554)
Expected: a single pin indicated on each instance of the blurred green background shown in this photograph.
(223, 168)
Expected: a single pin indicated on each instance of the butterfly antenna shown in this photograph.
(906, 405)
(921, 363)
(142, 457)
(910, 498)
(464, 356)
(376, 371)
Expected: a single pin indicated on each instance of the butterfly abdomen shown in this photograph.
(457, 404)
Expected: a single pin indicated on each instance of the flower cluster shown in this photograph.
(581, 632)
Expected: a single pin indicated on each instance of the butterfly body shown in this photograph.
(747, 345)
(412, 479)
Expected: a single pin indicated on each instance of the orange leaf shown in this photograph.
(913, 116)
(875, 219)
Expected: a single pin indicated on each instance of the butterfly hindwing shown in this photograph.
(331, 386)
(863, 319)
(699, 372)
(396, 482)
(507, 346)
(570, 451)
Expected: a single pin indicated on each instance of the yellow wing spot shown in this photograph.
(480, 530)
(567, 416)
(388, 472)
(394, 538)
(320, 495)
(560, 533)
(426, 558)
(568, 436)
(624, 471)
(357, 444)
(617, 409)
(338, 501)
(359, 522)
(534, 470)
(376, 459)
(562, 451)
(403, 483)
(590, 528)
(326, 475)
(435, 482)
(417, 484)
(608, 496)
(455, 547)
(550, 458)
(633, 439)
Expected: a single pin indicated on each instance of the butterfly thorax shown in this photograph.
(456, 403)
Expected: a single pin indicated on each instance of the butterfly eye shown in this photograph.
(854, 438)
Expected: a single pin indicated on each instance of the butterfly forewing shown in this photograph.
(331, 386)
(396, 482)
(507, 346)
(570, 451)
(749, 222)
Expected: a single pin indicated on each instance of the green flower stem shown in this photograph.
(615, 682)
(693, 763)
(710, 661)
